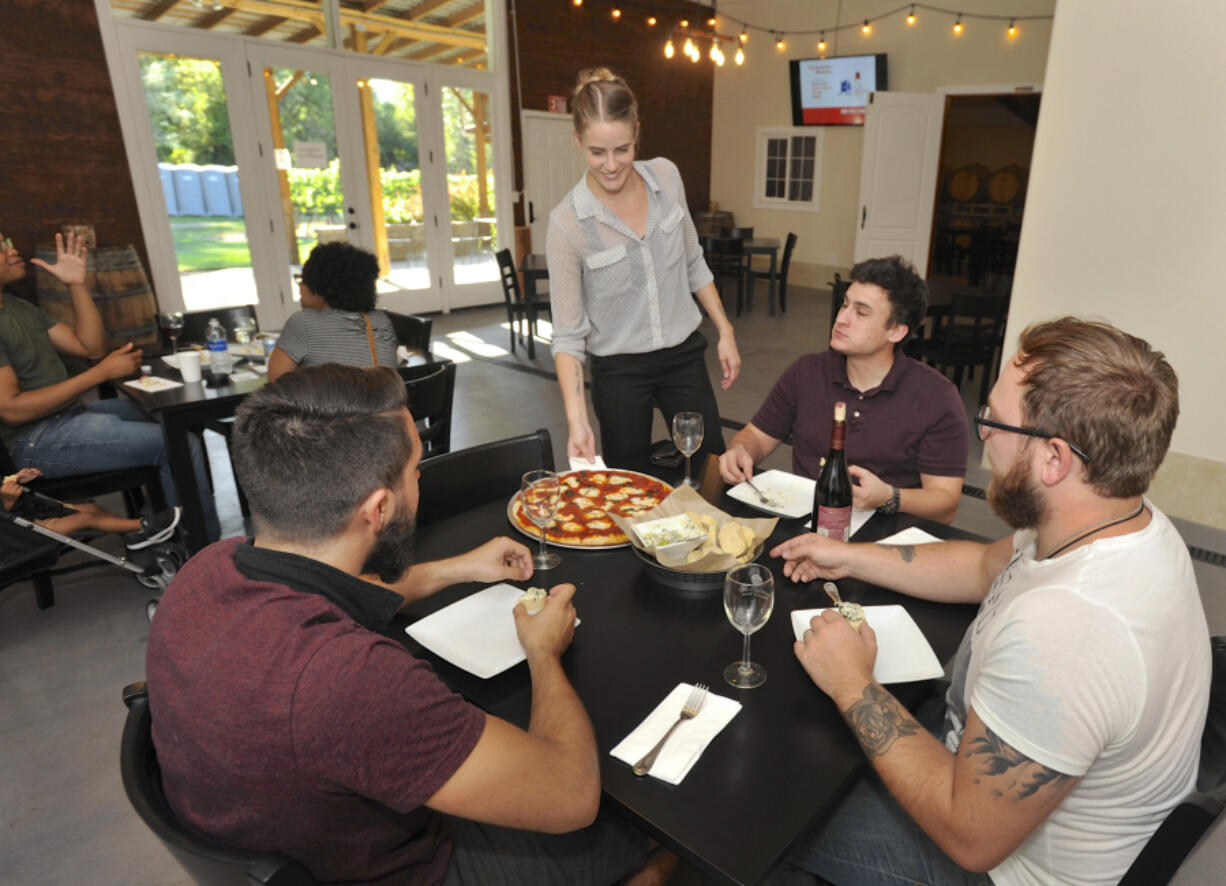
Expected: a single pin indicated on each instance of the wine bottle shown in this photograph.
(832, 496)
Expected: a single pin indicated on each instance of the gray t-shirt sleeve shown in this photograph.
(295, 340)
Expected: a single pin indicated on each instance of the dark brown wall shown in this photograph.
(557, 40)
(62, 158)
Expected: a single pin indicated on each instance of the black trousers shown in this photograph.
(627, 388)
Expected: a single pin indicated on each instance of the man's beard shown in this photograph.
(392, 554)
(1015, 498)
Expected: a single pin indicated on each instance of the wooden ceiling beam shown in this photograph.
(265, 25)
(310, 32)
(213, 19)
(464, 15)
(421, 10)
(158, 10)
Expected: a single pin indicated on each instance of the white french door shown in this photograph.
(398, 158)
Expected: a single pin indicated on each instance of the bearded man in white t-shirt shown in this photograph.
(1073, 722)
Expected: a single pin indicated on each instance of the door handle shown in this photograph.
(863, 216)
(531, 213)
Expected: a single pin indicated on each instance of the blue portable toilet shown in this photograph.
(216, 191)
(236, 198)
(189, 193)
(167, 173)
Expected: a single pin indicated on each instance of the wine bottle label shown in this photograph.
(834, 522)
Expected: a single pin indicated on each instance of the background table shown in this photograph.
(774, 770)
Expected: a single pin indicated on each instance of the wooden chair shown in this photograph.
(206, 862)
(412, 331)
(1194, 832)
(431, 393)
(517, 307)
(458, 481)
(968, 338)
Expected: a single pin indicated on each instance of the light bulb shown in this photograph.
(1012, 29)
(651, 21)
(867, 28)
(821, 44)
(744, 36)
(711, 22)
(780, 45)
(739, 58)
(911, 15)
(689, 46)
(577, 2)
(685, 23)
(669, 50)
(958, 25)
(616, 13)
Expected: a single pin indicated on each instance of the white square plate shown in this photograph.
(476, 633)
(789, 495)
(903, 655)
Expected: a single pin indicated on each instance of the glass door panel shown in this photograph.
(470, 185)
(389, 124)
(188, 112)
(309, 184)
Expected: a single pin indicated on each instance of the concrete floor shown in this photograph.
(63, 814)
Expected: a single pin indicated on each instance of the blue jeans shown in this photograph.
(870, 840)
(107, 435)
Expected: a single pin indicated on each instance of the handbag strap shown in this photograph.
(370, 337)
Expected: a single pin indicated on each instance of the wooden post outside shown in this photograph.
(370, 137)
(278, 142)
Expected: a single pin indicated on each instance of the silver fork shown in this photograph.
(762, 498)
(693, 705)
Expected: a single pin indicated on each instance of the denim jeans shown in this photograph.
(870, 840)
(108, 435)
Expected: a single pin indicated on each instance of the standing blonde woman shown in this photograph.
(624, 259)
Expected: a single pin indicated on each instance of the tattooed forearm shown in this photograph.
(998, 758)
(878, 720)
(907, 552)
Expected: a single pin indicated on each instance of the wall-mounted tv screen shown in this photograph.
(834, 91)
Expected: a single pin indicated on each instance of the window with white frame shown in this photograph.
(788, 159)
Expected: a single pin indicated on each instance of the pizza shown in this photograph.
(587, 499)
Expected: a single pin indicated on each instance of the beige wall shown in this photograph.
(1126, 213)
(921, 59)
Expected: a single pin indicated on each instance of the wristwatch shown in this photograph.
(891, 504)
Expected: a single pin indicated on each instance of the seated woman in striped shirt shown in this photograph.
(338, 323)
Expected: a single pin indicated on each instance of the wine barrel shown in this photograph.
(1007, 184)
(967, 185)
(117, 281)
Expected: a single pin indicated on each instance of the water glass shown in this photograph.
(540, 493)
(687, 437)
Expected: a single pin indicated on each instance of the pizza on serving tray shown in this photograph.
(587, 499)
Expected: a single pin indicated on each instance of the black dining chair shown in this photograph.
(412, 331)
(430, 388)
(1194, 832)
(967, 338)
(206, 862)
(838, 291)
(518, 308)
(784, 266)
(727, 259)
(732, 231)
(458, 481)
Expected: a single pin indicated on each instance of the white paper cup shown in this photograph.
(189, 365)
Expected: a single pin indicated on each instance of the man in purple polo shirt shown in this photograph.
(286, 720)
(907, 436)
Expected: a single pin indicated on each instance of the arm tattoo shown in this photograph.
(999, 758)
(907, 552)
(878, 720)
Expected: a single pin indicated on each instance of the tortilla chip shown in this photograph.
(731, 539)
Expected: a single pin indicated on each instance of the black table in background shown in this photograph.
(779, 765)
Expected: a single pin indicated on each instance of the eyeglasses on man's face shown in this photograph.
(984, 425)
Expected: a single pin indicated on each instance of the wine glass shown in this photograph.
(539, 496)
(687, 436)
(749, 597)
(172, 325)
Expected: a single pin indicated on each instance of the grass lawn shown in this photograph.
(205, 243)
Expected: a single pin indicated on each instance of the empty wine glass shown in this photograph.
(749, 598)
(687, 436)
(172, 325)
(539, 495)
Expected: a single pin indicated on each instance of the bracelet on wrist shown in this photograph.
(890, 505)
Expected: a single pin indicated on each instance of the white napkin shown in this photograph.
(582, 464)
(911, 536)
(688, 740)
(153, 383)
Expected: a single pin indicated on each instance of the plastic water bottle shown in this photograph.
(219, 353)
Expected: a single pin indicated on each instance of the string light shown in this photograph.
(744, 36)
(821, 43)
(711, 22)
(577, 2)
(1012, 29)
(685, 23)
(616, 13)
(651, 21)
(669, 50)
(911, 15)
(739, 58)
(958, 24)
(779, 44)
(866, 29)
